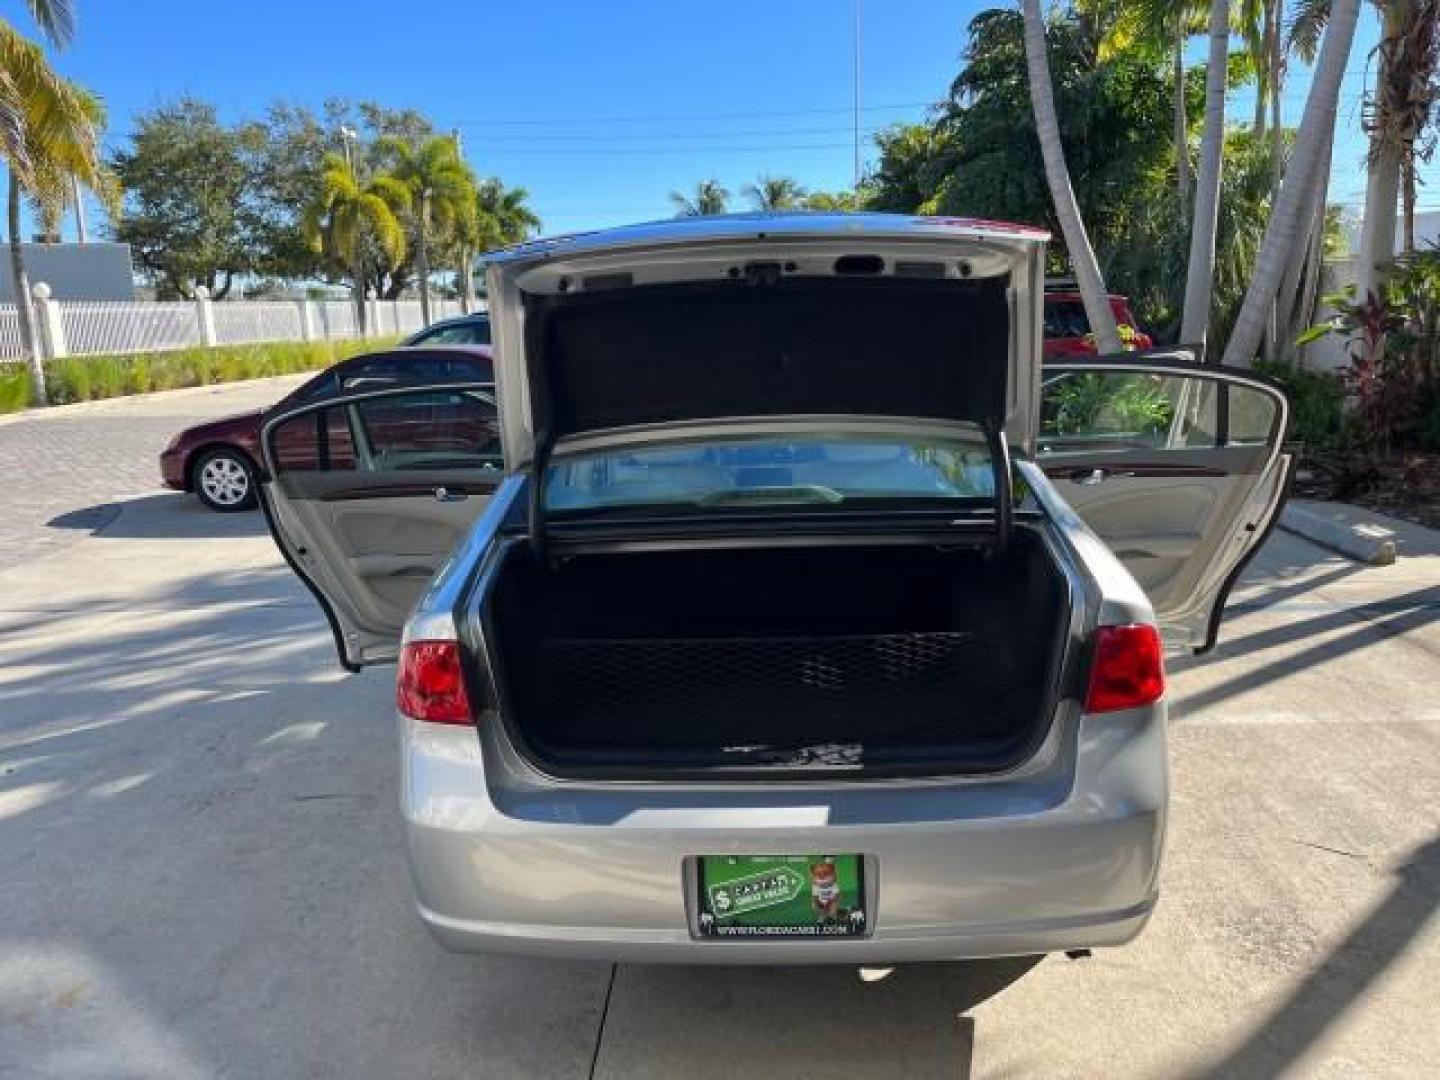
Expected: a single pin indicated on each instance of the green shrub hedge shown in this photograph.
(90, 378)
(14, 387)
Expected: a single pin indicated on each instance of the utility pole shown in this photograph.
(855, 8)
(79, 210)
(346, 134)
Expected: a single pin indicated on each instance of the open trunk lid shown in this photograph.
(699, 327)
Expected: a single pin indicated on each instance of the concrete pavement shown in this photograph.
(201, 872)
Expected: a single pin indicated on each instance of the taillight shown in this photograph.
(430, 685)
(1128, 669)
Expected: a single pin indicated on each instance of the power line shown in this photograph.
(611, 138)
(647, 118)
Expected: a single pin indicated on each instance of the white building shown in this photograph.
(74, 271)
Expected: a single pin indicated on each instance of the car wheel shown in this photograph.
(224, 481)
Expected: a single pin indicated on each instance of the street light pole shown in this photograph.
(855, 8)
(79, 210)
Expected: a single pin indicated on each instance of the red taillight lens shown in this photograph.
(1128, 669)
(430, 685)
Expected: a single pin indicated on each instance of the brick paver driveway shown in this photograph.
(62, 471)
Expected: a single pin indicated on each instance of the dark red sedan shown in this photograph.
(218, 460)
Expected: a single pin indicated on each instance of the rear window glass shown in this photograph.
(747, 474)
(466, 333)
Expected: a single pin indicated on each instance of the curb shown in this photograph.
(1365, 542)
(56, 412)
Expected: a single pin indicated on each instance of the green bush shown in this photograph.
(90, 378)
(1317, 404)
(14, 387)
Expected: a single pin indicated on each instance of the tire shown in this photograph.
(224, 480)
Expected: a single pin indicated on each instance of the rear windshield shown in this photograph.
(753, 473)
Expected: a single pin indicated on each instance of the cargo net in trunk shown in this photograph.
(765, 701)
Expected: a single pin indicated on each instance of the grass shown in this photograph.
(91, 378)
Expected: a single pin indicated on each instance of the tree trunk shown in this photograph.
(1382, 183)
(467, 281)
(1298, 188)
(1262, 74)
(1277, 160)
(1200, 275)
(25, 314)
(422, 258)
(357, 273)
(1300, 285)
(1077, 243)
(1409, 197)
(1182, 127)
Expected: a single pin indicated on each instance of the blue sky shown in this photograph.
(599, 110)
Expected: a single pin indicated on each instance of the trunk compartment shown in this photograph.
(890, 659)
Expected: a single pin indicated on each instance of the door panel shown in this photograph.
(1176, 466)
(368, 495)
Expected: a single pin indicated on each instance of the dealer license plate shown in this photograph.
(782, 896)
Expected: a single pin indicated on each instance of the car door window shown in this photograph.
(438, 429)
(1120, 411)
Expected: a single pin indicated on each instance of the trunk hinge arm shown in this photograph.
(1004, 495)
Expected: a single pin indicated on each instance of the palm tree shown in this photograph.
(347, 210)
(500, 218)
(1077, 242)
(1156, 29)
(770, 193)
(442, 190)
(47, 137)
(1200, 272)
(1290, 212)
(710, 198)
(1398, 112)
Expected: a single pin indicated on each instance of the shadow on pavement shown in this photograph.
(203, 867)
(1345, 975)
(822, 1021)
(165, 515)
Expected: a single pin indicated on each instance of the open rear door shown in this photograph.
(1176, 465)
(368, 493)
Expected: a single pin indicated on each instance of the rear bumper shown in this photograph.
(955, 942)
(1064, 858)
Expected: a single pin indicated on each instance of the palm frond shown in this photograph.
(56, 19)
(1307, 23)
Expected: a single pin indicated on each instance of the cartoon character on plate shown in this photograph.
(825, 892)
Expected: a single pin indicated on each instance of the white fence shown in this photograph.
(88, 328)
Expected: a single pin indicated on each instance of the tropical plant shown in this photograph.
(710, 198)
(347, 211)
(1156, 30)
(775, 193)
(844, 201)
(442, 194)
(1395, 119)
(1291, 212)
(1095, 402)
(500, 217)
(1077, 241)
